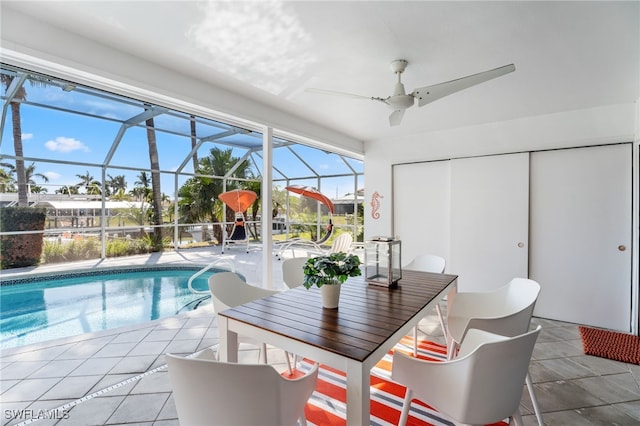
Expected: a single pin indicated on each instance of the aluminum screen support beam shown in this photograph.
(267, 201)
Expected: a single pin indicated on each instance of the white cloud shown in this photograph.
(27, 136)
(63, 144)
(52, 175)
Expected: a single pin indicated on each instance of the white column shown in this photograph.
(267, 196)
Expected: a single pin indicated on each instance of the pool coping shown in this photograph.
(28, 278)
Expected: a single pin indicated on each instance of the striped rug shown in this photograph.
(327, 404)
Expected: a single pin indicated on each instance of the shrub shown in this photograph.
(17, 251)
(89, 248)
(53, 252)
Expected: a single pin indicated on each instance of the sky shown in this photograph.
(66, 137)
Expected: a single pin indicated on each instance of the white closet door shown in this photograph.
(489, 220)
(581, 235)
(421, 208)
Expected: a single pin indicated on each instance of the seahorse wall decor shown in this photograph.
(375, 205)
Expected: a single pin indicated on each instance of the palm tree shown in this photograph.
(155, 185)
(16, 121)
(115, 185)
(37, 189)
(85, 179)
(196, 200)
(143, 180)
(68, 189)
(30, 172)
(120, 195)
(139, 193)
(142, 187)
(198, 196)
(7, 181)
(92, 186)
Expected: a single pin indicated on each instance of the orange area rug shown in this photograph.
(327, 405)
(610, 344)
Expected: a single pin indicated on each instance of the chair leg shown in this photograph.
(444, 331)
(441, 320)
(517, 418)
(263, 353)
(286, 355)
(406, 405)
(452, 348)
(534, 400)
(302, 421)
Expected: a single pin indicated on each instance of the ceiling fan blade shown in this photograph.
(335, 93)
(396, 117)
(429, 94)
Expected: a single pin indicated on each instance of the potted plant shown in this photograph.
(328, 273)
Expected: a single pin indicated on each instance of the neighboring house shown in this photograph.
(347, 203)
(83, 213)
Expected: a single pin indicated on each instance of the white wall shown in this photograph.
(594, 126)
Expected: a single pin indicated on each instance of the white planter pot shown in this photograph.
(330, 295)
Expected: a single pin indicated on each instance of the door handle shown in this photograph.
(622, 247)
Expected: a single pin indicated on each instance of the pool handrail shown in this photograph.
(216, 262)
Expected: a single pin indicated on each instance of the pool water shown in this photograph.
(80, 303)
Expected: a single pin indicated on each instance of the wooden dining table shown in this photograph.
(368, 322)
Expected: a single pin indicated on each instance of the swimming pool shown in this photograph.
(37, 309)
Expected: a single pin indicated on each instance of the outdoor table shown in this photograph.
(369, 321)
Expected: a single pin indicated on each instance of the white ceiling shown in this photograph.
(568, 55)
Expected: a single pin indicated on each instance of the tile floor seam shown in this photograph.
(95, 394)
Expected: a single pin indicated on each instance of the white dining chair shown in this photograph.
(292, 271)
(209, 392)
(483, 385)
(427, 263)
(228, 290)
(505, 311)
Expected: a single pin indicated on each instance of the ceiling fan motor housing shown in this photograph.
(399, 100)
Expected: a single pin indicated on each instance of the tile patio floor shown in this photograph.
(118, 376)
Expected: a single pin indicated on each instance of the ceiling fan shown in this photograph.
(400, 100)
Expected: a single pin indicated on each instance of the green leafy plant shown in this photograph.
(322, 270)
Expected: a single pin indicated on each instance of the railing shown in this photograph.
(216, 262)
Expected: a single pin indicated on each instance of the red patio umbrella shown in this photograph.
(238, 200)
(307, 191)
